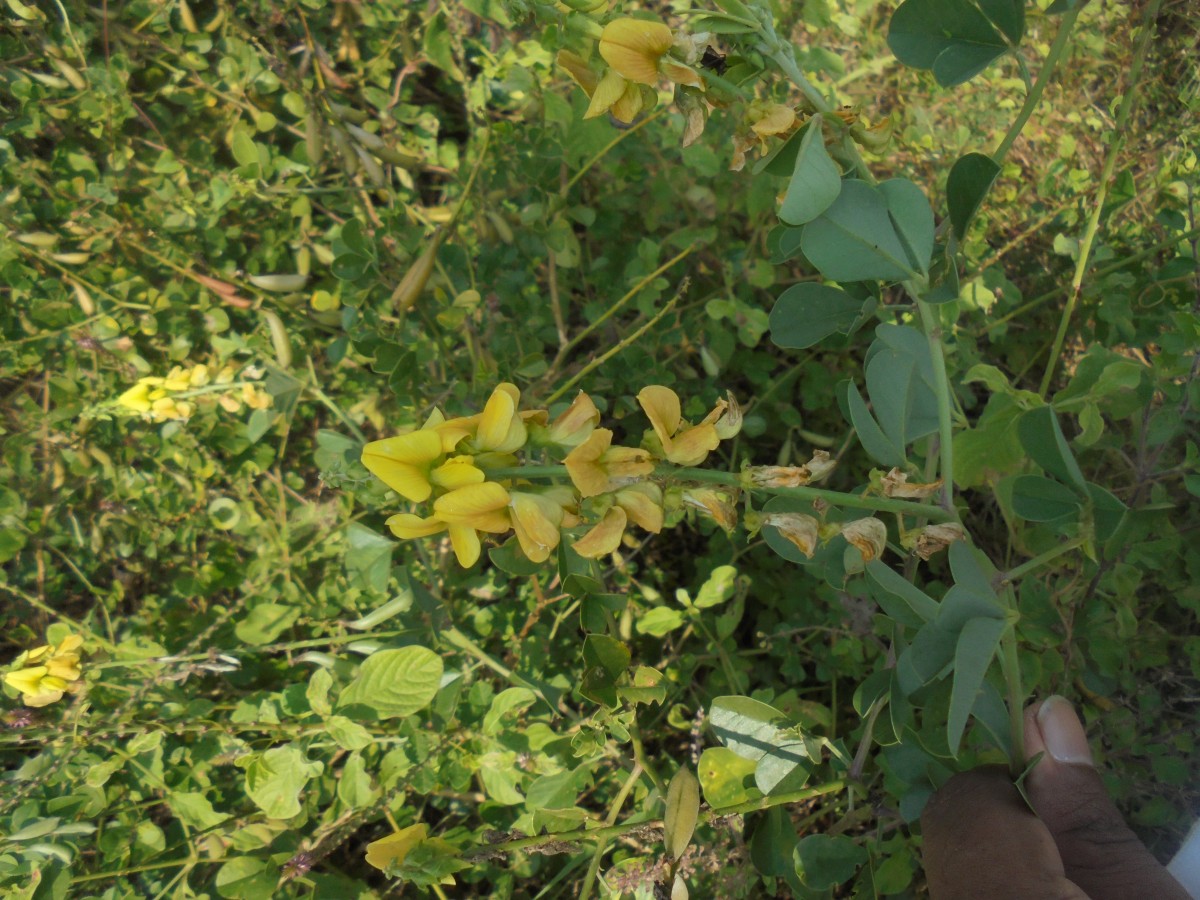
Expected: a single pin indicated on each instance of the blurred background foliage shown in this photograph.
(247, 185)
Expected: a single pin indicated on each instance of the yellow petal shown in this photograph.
(717, 504)
(406, 526)
(391, 850)
(535, 519)
(578, 69)
(605, 537)
(775, 120)
(583, 463)
(575, 425)
(634, 46)
(69, 644)
(629, 104)
(136, 398)
(661, 405)
(65, 667)
(692, 446)
(681, 74)
(465, 541)
(399, 462)
(456, 473)
(643, 505)
(869, 535)
(610, 89)
(44, 697)
(475, 505)
(26, 680)
(799, 529)
(500, 428)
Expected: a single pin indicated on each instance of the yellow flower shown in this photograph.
(391, 850)
(575, 425)
(404, 462)
(136, 398)
(799, 529)
(605, 537)
(169, 408)
(717, 504)
(633, 47)
(616, 95)
(470, 510)
(457, 472)
(640, 503)
(54, 671)
(683, 444)
(537, 518)
(869, 535)
(501, 428)
(596, 467)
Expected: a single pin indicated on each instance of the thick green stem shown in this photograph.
(1106, 175)
(941, 387)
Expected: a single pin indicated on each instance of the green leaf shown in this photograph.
(1108, 512)
(815, 181)
(747, 727)
(855, 239)
(683, 809)
(510, 700)
(807, 313)
(970, 179)
(726, 778)
(605, 660)
(718, 588)
(645, 686)
(912, 218)
(368, 558)
(977, 643)
(347, 734)
(317, 692)
(247, 878)
(784, 767)
(193, 809)
(1007, 15)
(395, 683)
(924, 607)
(354, 788)
(1044, 441)
(1039, 499)
(265, 623)
(823, 861)
(275, 778)
(951, 37)
(877, 444)
(659, 621)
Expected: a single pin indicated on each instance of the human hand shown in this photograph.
(982, 842)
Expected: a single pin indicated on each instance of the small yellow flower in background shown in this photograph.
(718, 505)
(391, 850)
(136, 398)
(683, 444)
(798, 528)
(869, 535)
(255, 397)
(596, 467)
(44, 674)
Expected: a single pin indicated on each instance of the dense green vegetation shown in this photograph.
(938, 262)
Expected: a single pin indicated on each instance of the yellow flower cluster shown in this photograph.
(44, 674)
(638, 52)
(161, 399)
(466, 467)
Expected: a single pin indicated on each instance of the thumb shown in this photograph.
(1099, 851)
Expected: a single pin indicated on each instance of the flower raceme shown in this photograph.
(468, 469)
(44, 674)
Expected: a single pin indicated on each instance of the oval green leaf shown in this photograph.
(395, 683)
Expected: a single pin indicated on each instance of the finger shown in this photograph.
(981, 842)
(1099, 851)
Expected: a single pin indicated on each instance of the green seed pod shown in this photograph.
(409, 290)
(86, 305)
(186, 17)
(346, 114)
(314, 140)
(345, 151)
(373, 169)
(501, 225)
(303, 260)
(43, 240)
(71, 259)
(366, 138)
(281, 283)
(52, 81)
(70, 73)
(280, 341)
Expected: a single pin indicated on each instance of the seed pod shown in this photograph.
(280, 283)
(86, 305)
(314, 140)
(345, 151)
(43, 240)
(280, 341)
(303, 260)
(683, 809)
(366, 138)
(501, 225)
(52, 81)
(186, 17)
(71, 259)
(217, 287)
(215, 22)
(409, 290)
(70, 73)
(346, 114)
(373, 169)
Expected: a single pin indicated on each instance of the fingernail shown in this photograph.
(1062, 732)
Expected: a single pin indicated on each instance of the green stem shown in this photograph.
(610, 831)
(639, 757)
(621, 135)
(1010, 665)
(1110, 163)
(614, 811)
(1040, 560)
(941, 387)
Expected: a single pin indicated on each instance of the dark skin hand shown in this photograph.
(981, 842)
